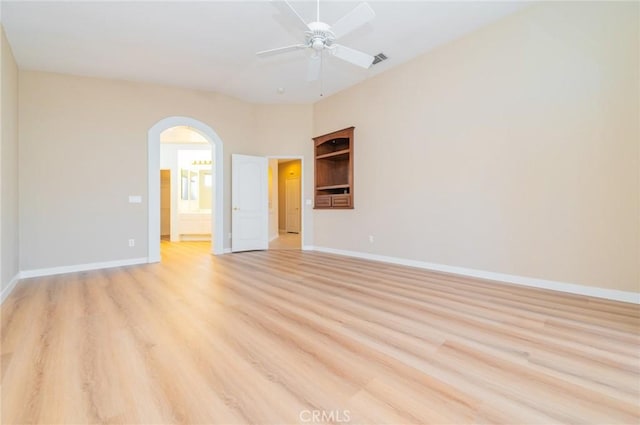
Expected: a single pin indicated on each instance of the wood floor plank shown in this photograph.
(280, 337)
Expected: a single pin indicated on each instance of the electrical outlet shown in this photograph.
(370, 238)
(132, 243)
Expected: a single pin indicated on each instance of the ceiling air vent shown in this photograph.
(379, 58)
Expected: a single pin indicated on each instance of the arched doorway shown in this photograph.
(153, 166)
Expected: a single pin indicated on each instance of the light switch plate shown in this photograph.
(135, 199)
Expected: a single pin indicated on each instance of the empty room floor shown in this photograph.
(288, 336)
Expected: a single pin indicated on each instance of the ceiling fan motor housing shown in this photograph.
(319, 36)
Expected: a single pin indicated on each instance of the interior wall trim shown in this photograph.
(572, 288)
(10, 287)
(82, 267)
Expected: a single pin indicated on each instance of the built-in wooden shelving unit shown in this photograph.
(334, 170)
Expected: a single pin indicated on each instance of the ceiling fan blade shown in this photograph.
(314, 67)
(353, 56)
(279, 50)
(359, 16)
(286, 9)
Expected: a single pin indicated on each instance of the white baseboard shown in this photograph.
(592, 291)
(12, 284)
(572, 288)
(82, 267)
(226, 251)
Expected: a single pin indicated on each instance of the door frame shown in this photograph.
(302, 199)
(153, 181)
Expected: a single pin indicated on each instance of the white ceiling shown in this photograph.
(211, 45)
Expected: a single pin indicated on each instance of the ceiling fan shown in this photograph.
(320, 37)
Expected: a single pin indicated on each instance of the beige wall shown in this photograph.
(83, 150)
(9, 251)
(290, 169)
(280, 132)
(512, 150)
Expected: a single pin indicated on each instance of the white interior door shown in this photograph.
(249, 203)
(292, 202)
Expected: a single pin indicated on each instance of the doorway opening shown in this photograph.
(195, 184)
(285, 203)
(186, 185)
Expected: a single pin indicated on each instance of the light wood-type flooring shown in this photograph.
(281, 337)
(286, 241)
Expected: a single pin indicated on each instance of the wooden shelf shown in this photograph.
(344, 152)
(335, 186)
(333, 169)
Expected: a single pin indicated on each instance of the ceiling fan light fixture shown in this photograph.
(317, 44)
(320, 36)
